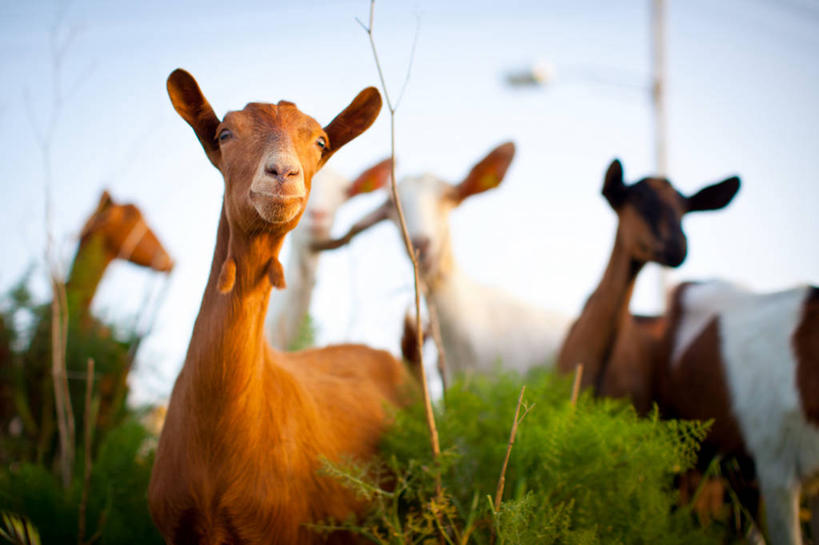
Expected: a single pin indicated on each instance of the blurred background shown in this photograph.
(83, 106)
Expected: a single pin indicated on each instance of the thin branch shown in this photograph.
(578, 376)
(517, 420)
(502, 479)
(89, 423)
(62, 397)
(430, 415)
(411, 61)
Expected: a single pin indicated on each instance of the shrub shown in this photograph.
(117, 507)
(593, 473)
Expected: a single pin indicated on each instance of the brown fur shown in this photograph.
(617, 350)
(117, 231)
(695, 387)
(806, 347)
(248, 426)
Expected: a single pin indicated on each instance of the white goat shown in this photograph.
(481, 326)
(288, 308)
(751, 362)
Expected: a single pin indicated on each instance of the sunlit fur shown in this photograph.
(112, 231)
(766, 354)
(330, 190)
(248, 426)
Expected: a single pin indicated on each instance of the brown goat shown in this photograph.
(248, 426)
(617, 349)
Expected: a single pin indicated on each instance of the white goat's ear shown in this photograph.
(371, 179)
(488, 173)
(191, 104)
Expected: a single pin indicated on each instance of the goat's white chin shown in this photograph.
(277, 209)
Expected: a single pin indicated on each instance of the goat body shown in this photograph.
(751, 362)
(484, 328)
(248, 427)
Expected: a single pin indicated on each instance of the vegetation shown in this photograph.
(590, 473)
(587, 473)
(111, 502)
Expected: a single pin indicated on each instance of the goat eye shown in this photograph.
(321, 142)
(224, 134)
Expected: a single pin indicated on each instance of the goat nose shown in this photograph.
(282, 170)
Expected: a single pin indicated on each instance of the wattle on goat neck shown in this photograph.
(247, 426)
(288, 310)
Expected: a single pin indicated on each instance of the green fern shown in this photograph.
(593, 473)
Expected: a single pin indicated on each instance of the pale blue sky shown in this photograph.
(743, 90)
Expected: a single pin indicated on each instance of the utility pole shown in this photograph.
(658, 86)
(658, 82)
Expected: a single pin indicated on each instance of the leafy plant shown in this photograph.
(117, 510)
(590, 473)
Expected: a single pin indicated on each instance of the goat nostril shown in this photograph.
(282, 172)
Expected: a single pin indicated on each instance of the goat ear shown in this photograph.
(105, 201)
(190, 103)
(488, 173)
(355, 119)
(613, 187)
(714, 196)
(371, 179)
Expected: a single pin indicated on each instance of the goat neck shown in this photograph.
(592, 337)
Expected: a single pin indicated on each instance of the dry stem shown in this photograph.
(89, 422)
(62, 395)
(517, 420)
(502, 479)
(578, 375)
(433, 430)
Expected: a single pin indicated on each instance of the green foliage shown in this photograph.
(26, 383)
(117, 508)
(19, 530)
(594, 473)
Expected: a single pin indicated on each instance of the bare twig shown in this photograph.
(89, 435)
(60, 40)
(502, 479)
(62, 397)
(517, 420)
(409, 66)
(578, 376)
(430, 415)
